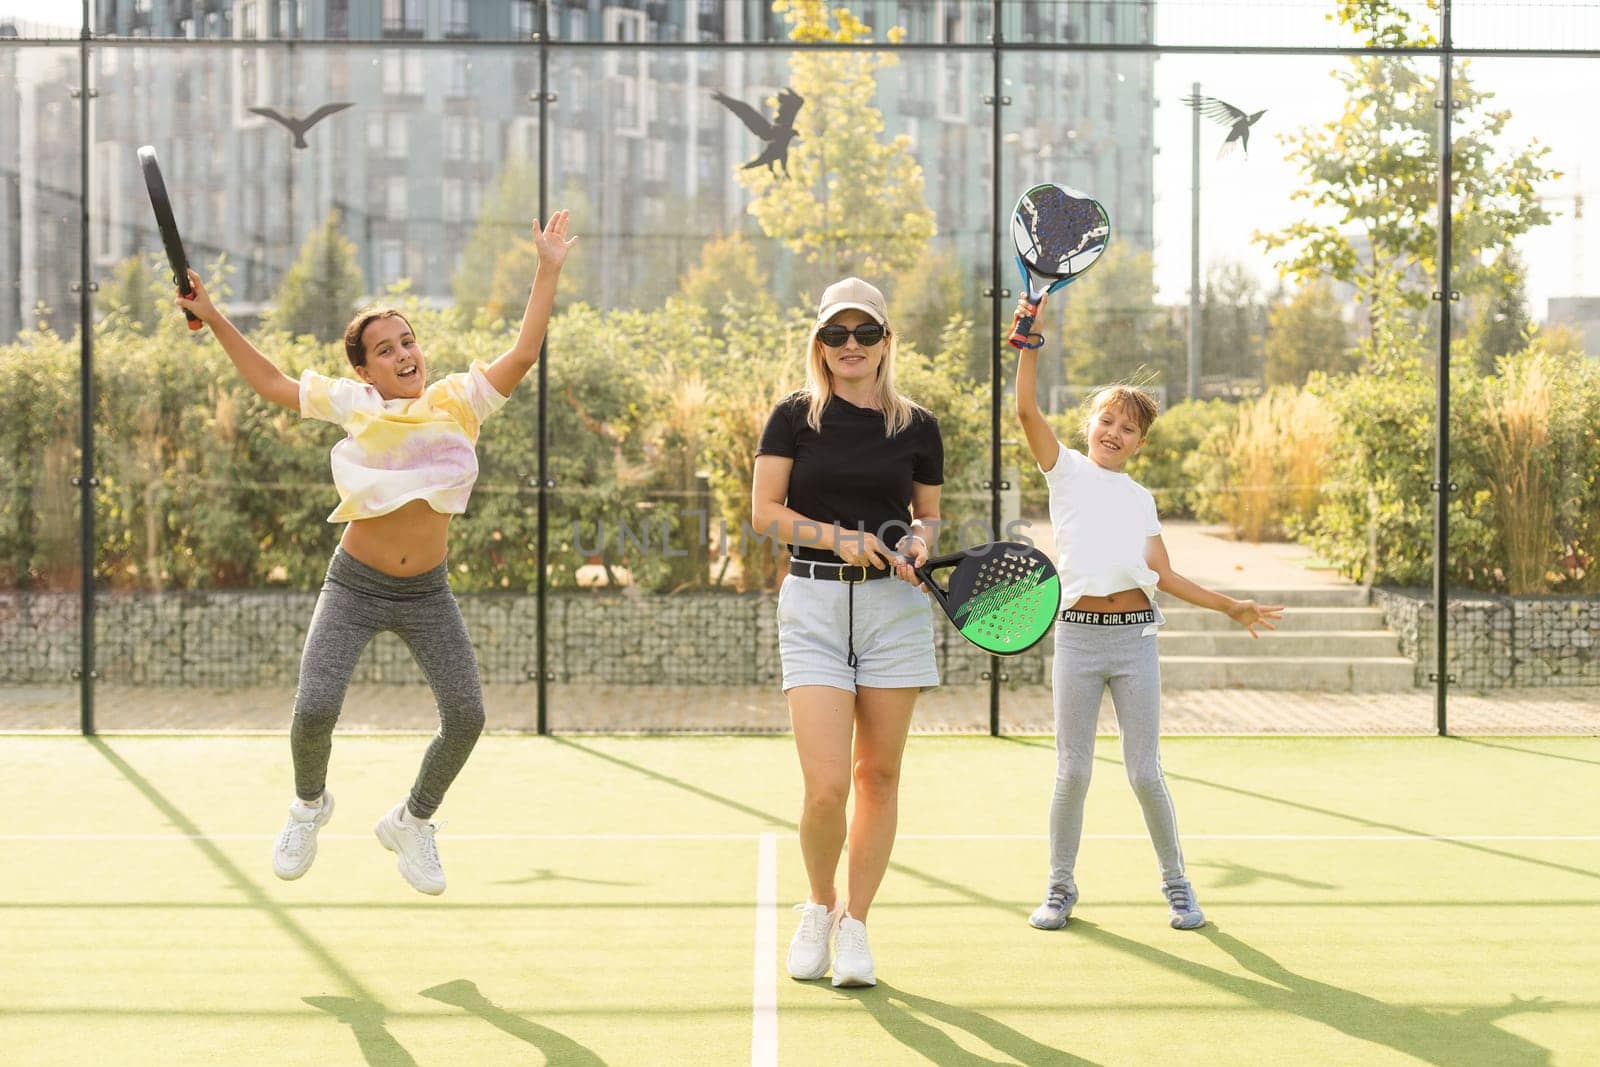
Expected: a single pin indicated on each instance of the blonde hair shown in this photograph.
(1127, 399)
(898, 409)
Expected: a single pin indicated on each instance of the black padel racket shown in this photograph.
(168, 227)
(1002, 596)
(1059, 233)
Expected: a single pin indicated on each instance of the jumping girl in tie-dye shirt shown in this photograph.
(406, 466)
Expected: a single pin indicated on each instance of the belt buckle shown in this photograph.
(852, 581)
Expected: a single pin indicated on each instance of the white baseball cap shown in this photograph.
(852, 293)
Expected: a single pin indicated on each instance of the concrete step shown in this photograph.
(1282, 645)
(1348, 596)
(1186, 619)
(1326, 674)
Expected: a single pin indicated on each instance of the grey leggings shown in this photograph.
(1088, 659)
(357, 603)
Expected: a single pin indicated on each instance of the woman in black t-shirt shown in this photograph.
(847, 474)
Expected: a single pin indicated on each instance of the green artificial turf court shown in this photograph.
(625, 900)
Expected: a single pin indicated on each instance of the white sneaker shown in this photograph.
(808, 950)
(414, 845)
(1185, 913)
(297, 842)
(852, 959)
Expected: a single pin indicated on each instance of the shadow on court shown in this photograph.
(896, 1011)
(1237, 875)
(1450, 1039)
(1371, 824)
(360, 1009)
(550, 874)
(556, 1046)
(366, 1018)
(1525, 751)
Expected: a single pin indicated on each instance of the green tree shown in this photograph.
(138, 294)
(1498, 322)
(1233, 322)
(499, 262)
(946, 292)
(1373, 177)
(729, 275)
(323, 288)
(851, 202)
(1305, 333)
(1110, 326)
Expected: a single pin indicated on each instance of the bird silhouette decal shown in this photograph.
(1225, 114)
(777, 133)
(298, 127)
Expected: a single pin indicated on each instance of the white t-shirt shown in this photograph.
(402, 450)
(1102, 520)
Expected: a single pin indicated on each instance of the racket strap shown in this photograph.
(1022, 327)
(850, 627)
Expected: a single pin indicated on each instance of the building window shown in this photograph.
(402, 18)
(522, 18)
(391, 258)
(624, 26)
(459, 22)
(395, 196)
(338, 18)
(397, 141)
(402, 73)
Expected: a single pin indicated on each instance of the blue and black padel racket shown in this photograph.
(1002, 596)
(1059, 233)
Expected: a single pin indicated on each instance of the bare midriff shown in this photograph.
(1127, 600)
(408, 541)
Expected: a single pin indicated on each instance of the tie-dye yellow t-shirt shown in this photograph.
(402, 450)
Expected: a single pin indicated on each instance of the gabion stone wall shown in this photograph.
(254, 638)
(1500, 641)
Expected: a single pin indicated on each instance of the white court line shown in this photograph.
(1416, 838)
(764, 1019)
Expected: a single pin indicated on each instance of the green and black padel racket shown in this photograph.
(1002, 596)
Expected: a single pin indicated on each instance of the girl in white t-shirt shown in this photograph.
(1112, 561)
(406, 466)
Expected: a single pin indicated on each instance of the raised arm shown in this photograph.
(1041, 438)
(1246, 613)
(263, 375)
(511, 366)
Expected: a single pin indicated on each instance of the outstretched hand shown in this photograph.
(1249, 614)
(552, 242)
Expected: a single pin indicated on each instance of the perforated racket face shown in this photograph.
(1059, 232)
(1006, 598)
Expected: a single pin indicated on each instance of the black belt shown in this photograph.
(836, 572)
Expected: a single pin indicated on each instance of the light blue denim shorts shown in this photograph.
(893, 634)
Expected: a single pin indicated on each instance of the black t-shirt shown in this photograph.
(850, 473)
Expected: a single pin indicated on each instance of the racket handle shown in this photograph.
(194, 321)
(1022, 335)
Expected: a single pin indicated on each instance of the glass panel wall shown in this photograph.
(703, 265)
(1524, 612)
(1271, 280)
(324, 180)
(40, 458)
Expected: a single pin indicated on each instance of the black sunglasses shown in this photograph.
(867, 334)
